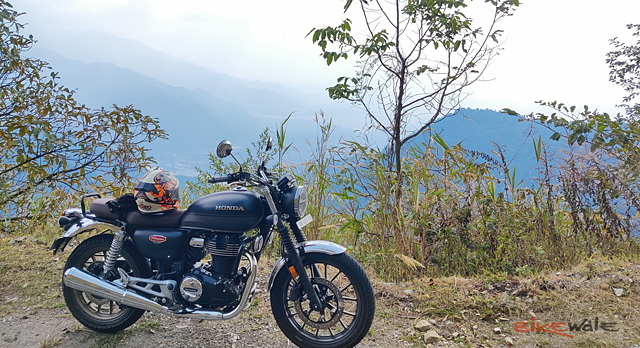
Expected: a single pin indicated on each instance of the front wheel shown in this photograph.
(94, 312)
(348, 303)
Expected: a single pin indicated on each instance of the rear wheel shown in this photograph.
(347, 298)
(96, 313)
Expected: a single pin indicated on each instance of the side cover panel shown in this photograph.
(160, 244)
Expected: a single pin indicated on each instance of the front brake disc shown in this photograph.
(332, 305)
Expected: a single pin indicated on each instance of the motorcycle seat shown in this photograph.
(100, 208)
(168, 219)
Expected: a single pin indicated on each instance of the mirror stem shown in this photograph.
(235, 159)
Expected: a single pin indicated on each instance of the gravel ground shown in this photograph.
(253, 328)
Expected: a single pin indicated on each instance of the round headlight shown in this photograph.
(300, 201)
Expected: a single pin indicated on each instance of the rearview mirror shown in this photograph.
(224, 149)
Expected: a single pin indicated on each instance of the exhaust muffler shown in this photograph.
(83, 281)
(80, 280)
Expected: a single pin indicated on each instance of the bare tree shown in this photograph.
(416, 59)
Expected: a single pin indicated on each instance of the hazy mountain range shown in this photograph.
(199, 107)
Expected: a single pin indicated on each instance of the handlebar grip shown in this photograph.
(218, 179)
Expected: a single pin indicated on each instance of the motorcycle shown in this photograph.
(319, 295)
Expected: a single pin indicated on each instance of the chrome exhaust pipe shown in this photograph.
(83, 281)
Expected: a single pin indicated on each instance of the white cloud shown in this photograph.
(554, 49)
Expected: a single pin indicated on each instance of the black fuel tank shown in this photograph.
(227, 211)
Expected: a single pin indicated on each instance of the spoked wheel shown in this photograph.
(347, 299)
(94, 312)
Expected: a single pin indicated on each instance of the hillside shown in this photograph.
(596, 302)
(487, 130)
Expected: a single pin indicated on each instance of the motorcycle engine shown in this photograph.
(218, 283)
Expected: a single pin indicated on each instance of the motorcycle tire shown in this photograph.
(345, 292)
(96, 313)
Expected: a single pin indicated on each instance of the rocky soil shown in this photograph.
(254, 328)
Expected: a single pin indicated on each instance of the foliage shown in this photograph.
(252, 158)
(51, 141)
(415, 60)
(625, 65)
(462, 211)
(600, 183)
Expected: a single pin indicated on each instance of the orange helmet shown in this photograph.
(158, 191)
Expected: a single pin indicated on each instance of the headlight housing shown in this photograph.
(295, 201)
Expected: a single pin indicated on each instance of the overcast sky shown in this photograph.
(554, 49)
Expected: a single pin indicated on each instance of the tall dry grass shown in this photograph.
(464, 212)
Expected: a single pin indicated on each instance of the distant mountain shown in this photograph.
(199, 107)
(260, 99)
(482, 130)
(195, 118)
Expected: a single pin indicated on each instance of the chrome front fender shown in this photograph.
(81, 226)
(312, 246)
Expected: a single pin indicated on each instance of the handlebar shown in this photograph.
(230, 178)
(218, 179)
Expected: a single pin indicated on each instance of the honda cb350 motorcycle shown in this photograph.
(320, 296)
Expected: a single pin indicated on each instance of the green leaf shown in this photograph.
(438, 139)
(509, 112)
(347, 5)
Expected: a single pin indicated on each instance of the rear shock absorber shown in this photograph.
(114, 252)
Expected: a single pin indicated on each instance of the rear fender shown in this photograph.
(308, 247)
(81, 226)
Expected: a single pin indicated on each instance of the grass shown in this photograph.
(110, 340)
(475, 307)
(51, 341)
(30, 275)
(460, 212)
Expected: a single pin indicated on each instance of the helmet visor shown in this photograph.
(145, 186)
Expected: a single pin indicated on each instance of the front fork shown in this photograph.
(294, 260)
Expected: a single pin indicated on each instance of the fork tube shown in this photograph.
(295, 260)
